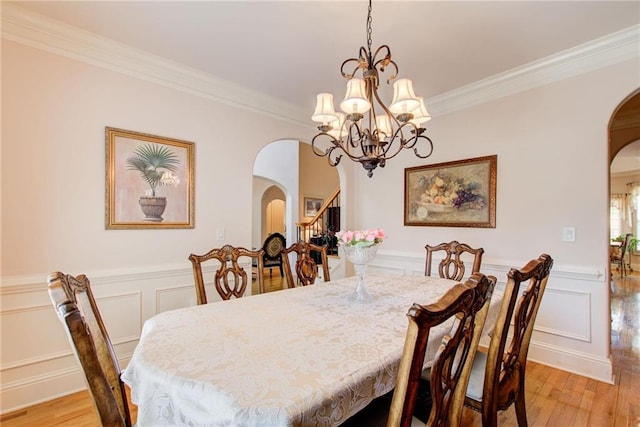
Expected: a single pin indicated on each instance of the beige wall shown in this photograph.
(317, 179)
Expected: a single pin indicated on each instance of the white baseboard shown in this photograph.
(600, 369)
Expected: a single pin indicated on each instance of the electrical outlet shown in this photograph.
(568, 234)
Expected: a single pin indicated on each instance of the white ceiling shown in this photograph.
(294, 49)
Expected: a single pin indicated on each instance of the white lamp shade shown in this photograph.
(383, 123)
(420, 114)
(325, 112)
(355, 100)
(337, 131)
(404, 100)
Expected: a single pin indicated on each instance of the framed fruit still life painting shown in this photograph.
(460, 193)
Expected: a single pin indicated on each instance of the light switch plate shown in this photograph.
(220, 233)
(568, 234)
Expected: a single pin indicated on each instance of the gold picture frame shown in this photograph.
(149, 181)
(460, 193)
(312, 206)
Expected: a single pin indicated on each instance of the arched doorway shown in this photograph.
(624, 126)
(273, 212)
(624, 165)
(292, 168)
(624, 180)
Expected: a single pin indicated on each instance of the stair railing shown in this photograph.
(322, 227)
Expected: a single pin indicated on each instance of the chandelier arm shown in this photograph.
(349, 76)
(415, 149)
(329, 151)
(396, 137)
(417, 134)
(394, 123)
(338, 144)
(316, 150)
(350, 140)
(412, 143)
(335, 161)
(365, 58)
(385, 62)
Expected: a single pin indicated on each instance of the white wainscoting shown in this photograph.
(38, 363)
(563, 332)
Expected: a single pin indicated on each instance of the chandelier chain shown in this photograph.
(369, 30)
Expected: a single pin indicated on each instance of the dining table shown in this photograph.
(306, 356)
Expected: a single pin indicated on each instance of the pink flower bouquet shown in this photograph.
(361, 238)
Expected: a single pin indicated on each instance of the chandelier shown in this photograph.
(367, 131)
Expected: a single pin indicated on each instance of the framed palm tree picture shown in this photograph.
(149, 181)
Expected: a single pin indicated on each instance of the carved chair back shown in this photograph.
(452, 265)
(230, 278)
(498, 377)
(469, 302)
(306, 267)
(74, 303)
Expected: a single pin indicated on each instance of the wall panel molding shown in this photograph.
(578, 328)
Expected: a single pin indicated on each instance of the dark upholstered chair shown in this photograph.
(452, 265)
(306, 267)
(498, 377)
(230, 278)
(74, 303)
(272, 247)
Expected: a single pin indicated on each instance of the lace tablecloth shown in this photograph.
(296, 357)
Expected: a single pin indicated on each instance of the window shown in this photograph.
(615, 221)
(616, 214)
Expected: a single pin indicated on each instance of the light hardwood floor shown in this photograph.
(554, 397)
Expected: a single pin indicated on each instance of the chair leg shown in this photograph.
(521, 407)
(489, 418)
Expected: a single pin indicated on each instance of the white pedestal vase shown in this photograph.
(360, 256)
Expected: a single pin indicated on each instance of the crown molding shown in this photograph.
(611, 49)
(38, 31)
(41, 32)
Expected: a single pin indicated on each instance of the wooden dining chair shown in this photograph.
(74, 303)
(617, 257)
(469, 302)
(305, 267)
(497, 377)
(230, 278)
(452, 265)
